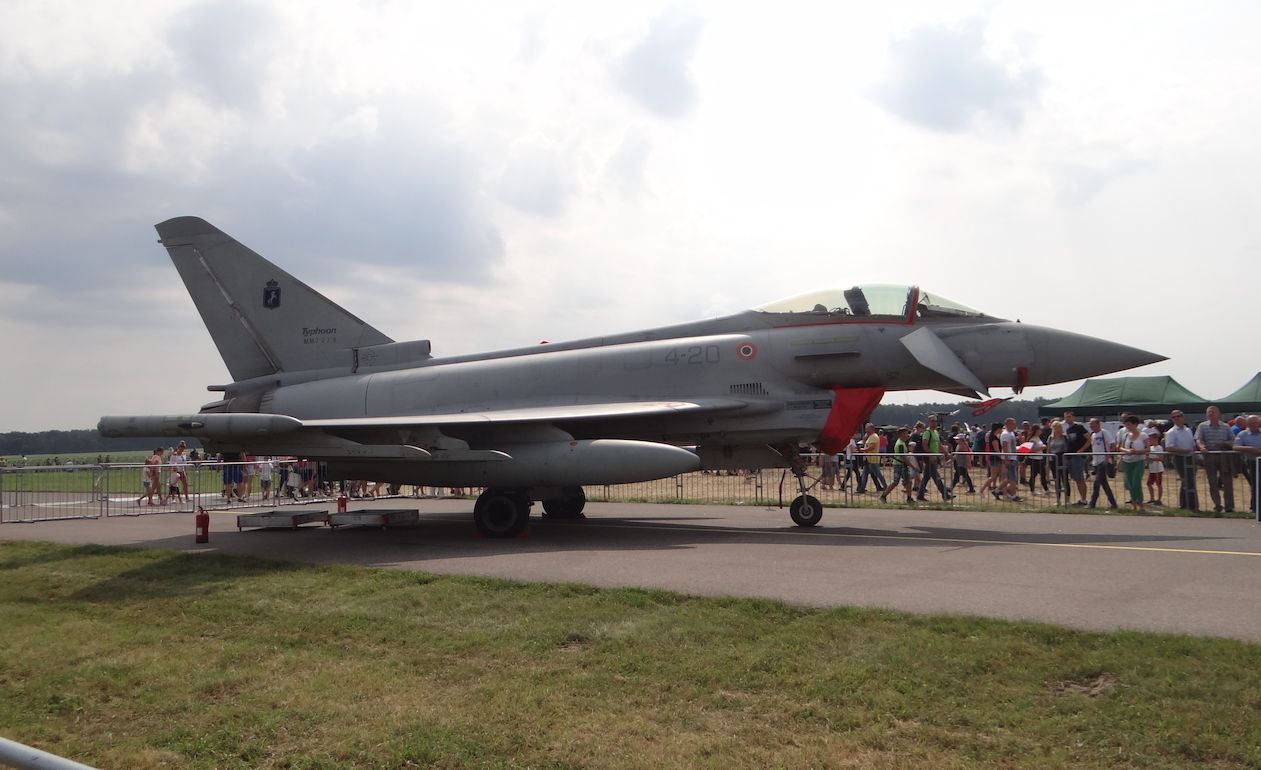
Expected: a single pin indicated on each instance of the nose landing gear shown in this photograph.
(805, 510)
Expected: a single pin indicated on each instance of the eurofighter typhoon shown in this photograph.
(536, 424)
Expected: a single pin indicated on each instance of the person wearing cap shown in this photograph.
(962, 458)
(1180, 447)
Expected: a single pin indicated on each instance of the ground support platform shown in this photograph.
(379, 517)
(280, 520)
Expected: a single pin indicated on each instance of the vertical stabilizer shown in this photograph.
(262, 319)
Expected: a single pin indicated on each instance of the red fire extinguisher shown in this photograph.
(203, 525)
(341, 503)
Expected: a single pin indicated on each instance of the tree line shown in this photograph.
(51, 442)
(949, 414)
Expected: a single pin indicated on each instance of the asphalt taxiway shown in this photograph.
(1103, 573)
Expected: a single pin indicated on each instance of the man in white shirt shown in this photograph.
(1180, 446)
(1008, 440)
(1100, 444)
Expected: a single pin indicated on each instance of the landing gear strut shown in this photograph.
(568, 506)
(805, 510)
(501, 514)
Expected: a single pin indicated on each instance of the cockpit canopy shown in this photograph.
(874, 302)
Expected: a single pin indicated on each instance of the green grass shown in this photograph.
(145, 659)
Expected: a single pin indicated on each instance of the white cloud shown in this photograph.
(538, 177)
(224, 48)
(946, 77)
(627, 167)
(656, 71)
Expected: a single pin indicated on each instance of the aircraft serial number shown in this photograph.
(696, 354)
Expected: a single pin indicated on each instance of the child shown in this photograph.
(264, 476)
(173, 485)
(1155, 471)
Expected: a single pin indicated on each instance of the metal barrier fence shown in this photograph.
(1224, 480)
(52, 492)
(1042, 482)
(89, 491)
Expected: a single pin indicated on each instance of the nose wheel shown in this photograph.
(806, 510)
(501, 514)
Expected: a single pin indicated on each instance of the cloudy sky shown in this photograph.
(487, 175)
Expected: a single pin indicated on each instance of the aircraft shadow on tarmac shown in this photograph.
(441, 536)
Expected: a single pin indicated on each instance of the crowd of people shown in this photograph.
(165, 477)
(1061, 455)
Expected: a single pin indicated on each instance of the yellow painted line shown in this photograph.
(798, 532)
(929, 539)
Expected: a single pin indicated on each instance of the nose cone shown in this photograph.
(1063, 356)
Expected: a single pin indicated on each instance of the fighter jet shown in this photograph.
(538, 423)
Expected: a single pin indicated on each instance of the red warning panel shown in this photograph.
(850, 408)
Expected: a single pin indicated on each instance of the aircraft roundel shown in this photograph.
(745, 351)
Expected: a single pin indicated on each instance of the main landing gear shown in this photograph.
(568, 506)
(504, 513)
(501, 514)
(805, 510)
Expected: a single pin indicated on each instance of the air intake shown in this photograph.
(749, 389)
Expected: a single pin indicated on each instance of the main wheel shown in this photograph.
(568, 507)
(501, 514)
(806, 511)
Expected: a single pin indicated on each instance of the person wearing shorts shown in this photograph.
(1078, 448)
(152, 478)
(173, 486)
(250, 470)
(902, 471)
(264, 476)
(232, 475)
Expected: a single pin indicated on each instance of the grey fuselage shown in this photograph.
(781, 386)
(740, 391)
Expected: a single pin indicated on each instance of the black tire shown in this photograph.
(568, 507)
(501, 514)
(806, 511)
(524, 501)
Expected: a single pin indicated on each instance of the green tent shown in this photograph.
(1144, 396)
(1246, 399)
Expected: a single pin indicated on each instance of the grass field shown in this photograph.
(143, 659)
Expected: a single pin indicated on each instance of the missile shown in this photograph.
(211, 426)
(544, 464)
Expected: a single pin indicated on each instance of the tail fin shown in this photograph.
(262, 319)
